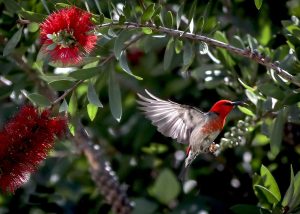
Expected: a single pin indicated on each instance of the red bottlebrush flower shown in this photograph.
(24, 142)
(66, 35)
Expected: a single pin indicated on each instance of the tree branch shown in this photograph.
(247, 53)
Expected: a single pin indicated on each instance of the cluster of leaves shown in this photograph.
(174, 67)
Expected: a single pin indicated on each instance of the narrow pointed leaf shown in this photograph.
(114, 95)
(73, 104)
(188, 53)
(179, 15)
(258, 3)
(39, 100)
(63, 107)
(266, 193)
(120, 43)
(148, 13)
(246, 111)
(93, 97)
(290, 191)
(178, 46)
(169, 19)
(169, 54)
(277, 132)
(12, 43)
(125, 67)
(295, 202)
(83, 74)
(270, 182)
(92, 111)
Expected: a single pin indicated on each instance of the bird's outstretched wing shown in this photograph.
(172, 119)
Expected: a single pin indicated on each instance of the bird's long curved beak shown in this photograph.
(239, 103)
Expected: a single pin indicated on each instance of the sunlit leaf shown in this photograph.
(246, 111)
(148, 13)
(263, 191)
(258, 3)
(178, 46)
(33, 27)
(269, 182)
(92, 111)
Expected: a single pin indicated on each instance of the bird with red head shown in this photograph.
(187, 124)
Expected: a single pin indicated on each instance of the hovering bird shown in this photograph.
(187, 124)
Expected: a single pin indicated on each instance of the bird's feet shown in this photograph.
(213, 148)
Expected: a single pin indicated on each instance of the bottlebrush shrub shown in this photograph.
(67, 35)
(24, 142)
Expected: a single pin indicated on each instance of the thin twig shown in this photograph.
(247, 53)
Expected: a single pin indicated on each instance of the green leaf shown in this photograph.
(31, 16)
(92, 111)
(295, 202)
(61, 85)
(269, 182)
(125, 67)
(148, 13)
(92, 96)
(38, 100)
(114, 94)
(223, 54)
(144, 206)
(258, 3)
(169, 19)
(147, 30)
(72, 128)
(12, 43)
(291, 99)
(246, 111)
(272, 90)
(252, 96)
(33, 27)
(246, 86)
(73, 104)
(179, 15)
(178, 46)
(277, 133)
(168, 56)
(63, 107)
(166, 187)
(83, 74)
(244, 209)
(120, 43)
(264, 192)
(290, 191)
(192, 11)
(12, 6)
(53, 78)
(188, 53)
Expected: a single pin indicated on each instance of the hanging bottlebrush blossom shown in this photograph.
(67, 35)
(24, 142)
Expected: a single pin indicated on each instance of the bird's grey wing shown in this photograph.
(172, 119)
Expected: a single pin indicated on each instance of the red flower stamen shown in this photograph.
(24, 142)
(67, 35)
